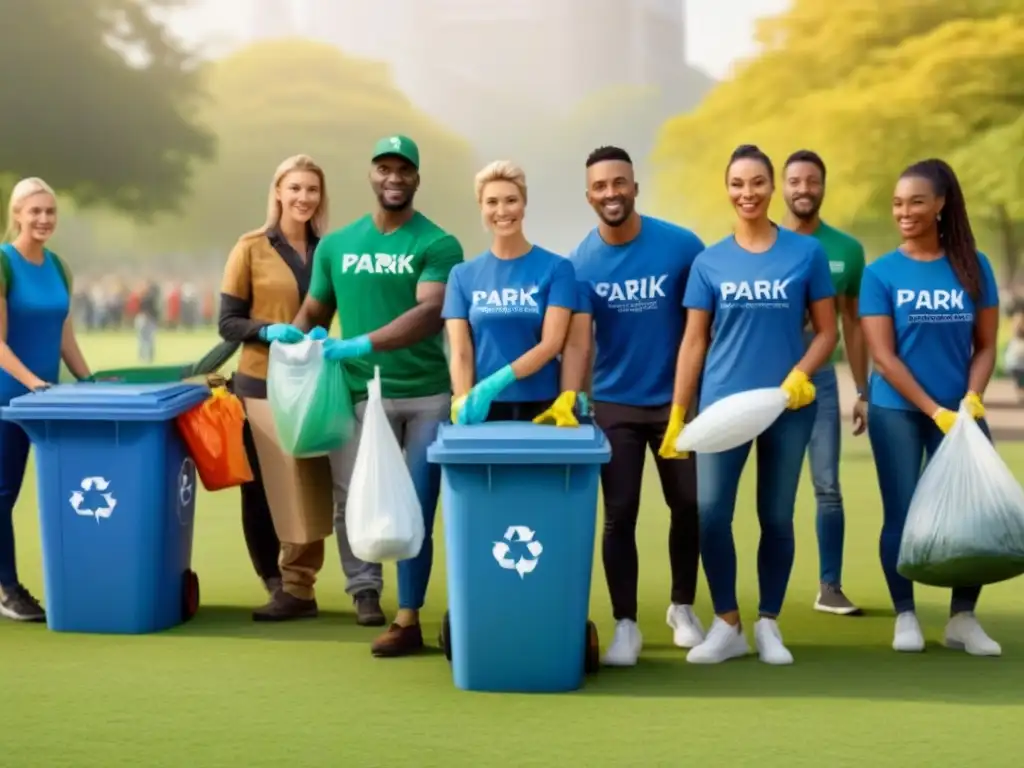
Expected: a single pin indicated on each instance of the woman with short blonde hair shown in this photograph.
(508, 313)
(36, 333)
(287, 510)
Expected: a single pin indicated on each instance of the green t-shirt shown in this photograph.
(845, 259)
(846, 264)
(371, 278)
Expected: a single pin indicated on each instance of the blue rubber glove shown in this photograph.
(343, 349)
(282, 332)
(478, 402)
(317, 334)
(583, 406)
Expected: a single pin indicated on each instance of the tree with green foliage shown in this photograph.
(98, 100)
(280, 98)
(872, 86)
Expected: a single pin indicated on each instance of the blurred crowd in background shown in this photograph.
(112, 302)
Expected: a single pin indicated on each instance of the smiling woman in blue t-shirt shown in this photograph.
(507, 314)
(747, 300)
(930, 313)
(35, 335)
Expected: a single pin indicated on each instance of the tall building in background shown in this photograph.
(461, 54)
(272, 19)
(455, 58)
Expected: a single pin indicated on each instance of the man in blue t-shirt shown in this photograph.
(637, 267)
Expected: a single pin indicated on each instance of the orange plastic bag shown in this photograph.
(213, 433)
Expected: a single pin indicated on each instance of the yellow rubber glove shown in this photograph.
(944, 419)
(799, 389)
(561, 413)
(676, 420)
(972, 401)
(457, 403)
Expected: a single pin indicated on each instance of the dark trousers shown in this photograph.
(14, 447)
(257, 524)
(632, 431)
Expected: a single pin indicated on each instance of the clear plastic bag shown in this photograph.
(733, 421)
(383, 515)
(309, 398)
(965, 526)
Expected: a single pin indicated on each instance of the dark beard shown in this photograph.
(395, 207)
(627, 211)
(809, 215)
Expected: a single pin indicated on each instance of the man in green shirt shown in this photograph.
(385, 275)
(804, 191)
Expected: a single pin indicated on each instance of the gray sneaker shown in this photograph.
(832, 600)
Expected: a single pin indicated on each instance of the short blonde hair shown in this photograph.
(22, 191)
(500, 170)
(295, 163)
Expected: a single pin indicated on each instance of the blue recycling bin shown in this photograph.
(116, 504)
(520, 510)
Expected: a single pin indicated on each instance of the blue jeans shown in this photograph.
(823, 456)
(780, 458)
(902, 441)
(14, 445)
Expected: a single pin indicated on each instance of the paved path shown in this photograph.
(1005, 416)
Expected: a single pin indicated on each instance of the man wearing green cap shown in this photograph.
(385, 276)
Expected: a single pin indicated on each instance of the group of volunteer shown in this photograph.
(640, 329)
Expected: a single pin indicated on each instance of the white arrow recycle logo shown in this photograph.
(524, 565)
(99, 484)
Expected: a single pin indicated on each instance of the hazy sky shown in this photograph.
(719, 31)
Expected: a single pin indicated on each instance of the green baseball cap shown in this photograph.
(398, 146)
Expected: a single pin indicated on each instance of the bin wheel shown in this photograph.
(592, 650)
(190, 596)
(445, 638)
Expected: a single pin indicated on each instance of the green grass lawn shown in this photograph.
(222, 691)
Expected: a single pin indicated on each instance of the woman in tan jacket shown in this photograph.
(265, 281)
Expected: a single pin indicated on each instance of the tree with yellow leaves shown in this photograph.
(872, 86)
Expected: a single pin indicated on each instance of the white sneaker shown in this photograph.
(964, 633)
(626, 645)
(723, 642)
(908, 637)
(768, 640)
(687, 631)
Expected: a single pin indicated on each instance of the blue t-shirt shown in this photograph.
(37, 306)
(636, 297)
(933, 322)
(758, 303)
(504, 301)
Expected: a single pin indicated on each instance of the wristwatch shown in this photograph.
(860, 394)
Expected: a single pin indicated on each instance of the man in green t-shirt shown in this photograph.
(385, 275)
(804, 191)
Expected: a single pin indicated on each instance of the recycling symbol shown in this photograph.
(97, 487)
(186, 489)
(520, 534)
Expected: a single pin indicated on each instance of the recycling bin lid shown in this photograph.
(106, 402)
(514, 442)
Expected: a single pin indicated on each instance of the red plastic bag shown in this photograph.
(213, 433)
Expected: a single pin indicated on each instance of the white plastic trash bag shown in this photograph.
(965, 526)
(733, 421)
(383, 515)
